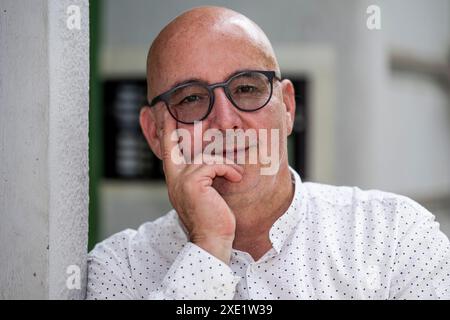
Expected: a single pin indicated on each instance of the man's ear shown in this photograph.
(147, 119)
(289, 103)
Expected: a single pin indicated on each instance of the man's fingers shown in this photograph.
(232, 173)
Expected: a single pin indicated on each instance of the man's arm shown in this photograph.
(208, 219)
(421, 268)
(195, 274)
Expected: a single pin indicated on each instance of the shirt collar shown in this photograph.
(285, 225)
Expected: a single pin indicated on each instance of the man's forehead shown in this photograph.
(213, 68)
(218, 52)
(227, 40)
(194, 43)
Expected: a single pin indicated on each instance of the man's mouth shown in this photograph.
(234, 151)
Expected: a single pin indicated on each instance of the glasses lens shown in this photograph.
(189, 103)
(250, 91)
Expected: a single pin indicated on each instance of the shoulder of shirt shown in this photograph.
(148, 233)
(351, 196)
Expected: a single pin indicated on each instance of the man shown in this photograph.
(235, 232)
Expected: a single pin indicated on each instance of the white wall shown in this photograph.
(410, 151)
(44, 79)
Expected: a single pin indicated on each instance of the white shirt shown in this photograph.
(334, 242)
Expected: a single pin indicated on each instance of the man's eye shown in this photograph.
(190, 99)
(246, 89)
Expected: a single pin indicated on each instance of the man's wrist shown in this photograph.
(220, 248)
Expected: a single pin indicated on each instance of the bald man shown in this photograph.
(237, 231)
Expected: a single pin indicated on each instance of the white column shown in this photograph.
(44, 87)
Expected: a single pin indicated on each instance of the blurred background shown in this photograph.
(373, 106)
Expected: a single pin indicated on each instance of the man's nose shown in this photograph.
(224, 115)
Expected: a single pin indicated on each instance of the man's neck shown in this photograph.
(255, 218)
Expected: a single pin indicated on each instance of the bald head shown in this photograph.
(202, 39)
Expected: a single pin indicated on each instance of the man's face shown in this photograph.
(213, 57)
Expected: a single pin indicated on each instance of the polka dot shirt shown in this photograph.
(333, 242)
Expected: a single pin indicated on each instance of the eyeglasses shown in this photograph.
(193, 101)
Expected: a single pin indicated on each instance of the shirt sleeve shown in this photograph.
(195, 274)
(421, 268)
(109, 273)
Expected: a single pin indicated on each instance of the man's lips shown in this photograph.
(230, 152)
(234, 151)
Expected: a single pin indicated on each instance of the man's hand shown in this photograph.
(209, 220)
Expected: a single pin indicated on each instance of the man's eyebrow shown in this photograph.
(191, 80)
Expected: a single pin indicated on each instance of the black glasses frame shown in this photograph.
(164, 97)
